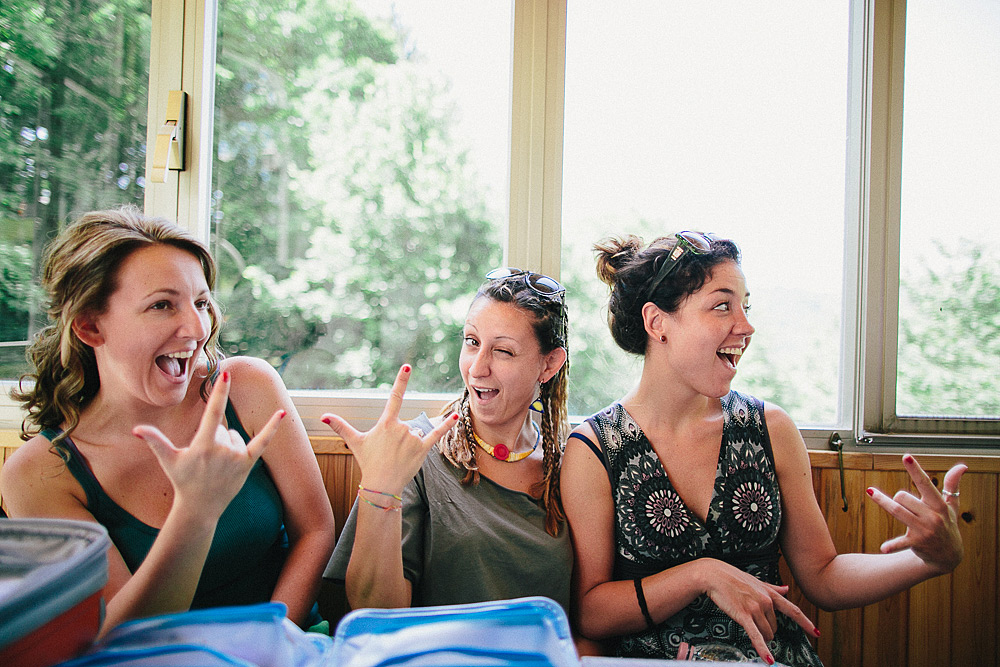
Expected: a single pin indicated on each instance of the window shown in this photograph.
(351, 142)
(359, 183)
(73, 89)
(723, 118)
(948, 353)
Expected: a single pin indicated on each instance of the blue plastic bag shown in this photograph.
(249, 636)
(526, 632)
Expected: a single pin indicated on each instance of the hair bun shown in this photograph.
(615, 252)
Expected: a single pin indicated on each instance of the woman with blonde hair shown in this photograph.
(198, 466)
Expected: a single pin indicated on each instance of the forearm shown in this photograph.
(299, 582)
(166, 580)
(612, 608)
(375, 572)
(855, 580)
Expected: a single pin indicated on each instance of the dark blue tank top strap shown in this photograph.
(234, 422)
(594, 448)
(77, 466)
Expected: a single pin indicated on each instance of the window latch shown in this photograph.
(836, 443)
(169, 150)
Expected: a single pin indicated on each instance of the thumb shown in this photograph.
(895, 544)
(163, 449)
(341, 428)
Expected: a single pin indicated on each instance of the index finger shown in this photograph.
(395, 401)
(215, 408)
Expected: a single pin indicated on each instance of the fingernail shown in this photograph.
(325, 420)
(908, 458)
(768, 659)
(225, 376)
(816, 631)
(406, 368)
(282, 415)
(454, 416)
(870, 491)
(138, 435)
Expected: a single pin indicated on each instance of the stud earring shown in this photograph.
(663, 339)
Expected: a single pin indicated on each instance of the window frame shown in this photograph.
(183, 57)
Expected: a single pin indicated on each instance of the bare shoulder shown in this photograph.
(789, 448)
(250, 369)
(34, 480)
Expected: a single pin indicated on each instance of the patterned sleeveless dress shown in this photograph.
(654, 529)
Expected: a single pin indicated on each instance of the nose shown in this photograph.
(195, 323)
(480, 366)
(743, 326)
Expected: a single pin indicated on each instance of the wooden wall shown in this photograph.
(950, 620)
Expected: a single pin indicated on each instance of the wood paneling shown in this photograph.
(950, 620)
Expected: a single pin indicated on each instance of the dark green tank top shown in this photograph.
(250, 543)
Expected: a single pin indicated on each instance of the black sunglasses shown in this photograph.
(693, 242)
(539, 282)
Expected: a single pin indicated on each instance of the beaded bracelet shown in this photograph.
(381, 493)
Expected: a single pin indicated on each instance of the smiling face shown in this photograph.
(502, 363)
(152, 332)
(708, 334)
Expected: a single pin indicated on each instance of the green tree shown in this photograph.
(949, 336)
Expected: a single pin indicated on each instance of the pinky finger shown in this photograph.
(255, 448)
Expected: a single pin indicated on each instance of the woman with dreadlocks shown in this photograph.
(478, 517)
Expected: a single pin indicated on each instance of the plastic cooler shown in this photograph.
(52, 572)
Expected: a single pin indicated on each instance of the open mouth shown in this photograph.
(730, 355)
(175, 364)
(485, 394)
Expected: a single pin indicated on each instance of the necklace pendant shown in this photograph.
(501, 452)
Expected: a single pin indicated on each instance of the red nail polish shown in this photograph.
(282, 415)
(225, 376)
(325, 420)
(816, 631)
(908, 458)
(870, 491)
(406, 368)
(768, 659)
(454, 416)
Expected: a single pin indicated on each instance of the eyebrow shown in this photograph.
(170, 291)
(726, 290)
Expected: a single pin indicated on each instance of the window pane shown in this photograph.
(73, 91)
(360, 185)
(949, 306)
(719, 117)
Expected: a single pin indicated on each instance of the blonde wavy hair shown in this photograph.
(80, 274)
(550, 323)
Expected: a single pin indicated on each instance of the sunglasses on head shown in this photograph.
(539, 282)
(693, 242)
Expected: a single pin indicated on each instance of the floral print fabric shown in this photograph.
(654, 529)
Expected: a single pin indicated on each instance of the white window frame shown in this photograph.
(183, 57)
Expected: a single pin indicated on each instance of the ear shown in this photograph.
(86, 328)
(554, 360)
(654, 320)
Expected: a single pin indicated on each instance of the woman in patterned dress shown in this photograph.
(680, 495)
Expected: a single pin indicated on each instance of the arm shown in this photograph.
(931, 546)
(608, 608)
(389, 456)
(258, 392)
(205, 476)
